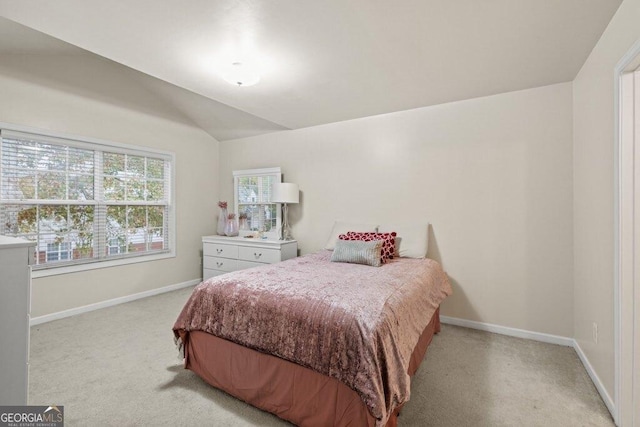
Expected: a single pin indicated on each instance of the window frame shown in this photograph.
(97, 144)
(276, 172)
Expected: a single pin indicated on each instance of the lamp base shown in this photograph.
(286, 229)
(286, 233)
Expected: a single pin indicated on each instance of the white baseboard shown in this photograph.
(538, 336)
(596, 380)
(108, 303)
(512, 332)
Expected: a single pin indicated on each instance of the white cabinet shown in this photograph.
(224, 254)
(16, 256)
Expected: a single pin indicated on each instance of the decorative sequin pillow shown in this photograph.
(358, 252)
(388, 241)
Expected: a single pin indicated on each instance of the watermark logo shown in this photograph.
(32, 416)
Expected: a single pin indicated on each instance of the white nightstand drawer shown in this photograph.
(217, 263)
(263, 255)
(207, 273)
(223, 251)
(248, 264)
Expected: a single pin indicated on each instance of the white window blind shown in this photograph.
(82, 201)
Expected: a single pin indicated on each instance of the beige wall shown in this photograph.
(95, 98)
(593, 105)
(492, 175)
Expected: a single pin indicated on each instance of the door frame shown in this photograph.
(627, 239)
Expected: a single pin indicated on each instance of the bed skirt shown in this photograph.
(288, 390)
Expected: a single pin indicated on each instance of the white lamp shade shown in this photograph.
(285, 192)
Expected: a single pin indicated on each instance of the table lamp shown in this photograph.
(285, 193)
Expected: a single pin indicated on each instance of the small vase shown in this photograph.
(222, 221)
(244, 224)
(231, 229)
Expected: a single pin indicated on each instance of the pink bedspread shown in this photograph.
(355, 323)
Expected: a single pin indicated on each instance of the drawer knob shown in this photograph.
(257, 255)
(219, 264)
(219, 251)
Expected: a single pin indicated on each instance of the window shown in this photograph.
(117, 246)
(58, 251)
(82, 201)
(252, 190)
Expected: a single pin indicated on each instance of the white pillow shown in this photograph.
(341, 227)
(412, 240)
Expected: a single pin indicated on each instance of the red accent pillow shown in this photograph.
(388, 241)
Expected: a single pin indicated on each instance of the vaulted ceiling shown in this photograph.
(320, 61)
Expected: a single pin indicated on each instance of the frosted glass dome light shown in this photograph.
(240, 74)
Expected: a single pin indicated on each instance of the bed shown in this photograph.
(315, 342)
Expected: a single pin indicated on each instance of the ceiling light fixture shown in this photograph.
(240, 74)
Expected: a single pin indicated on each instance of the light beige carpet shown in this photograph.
(118, 367)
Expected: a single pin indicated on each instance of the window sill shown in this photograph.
(54, 271)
